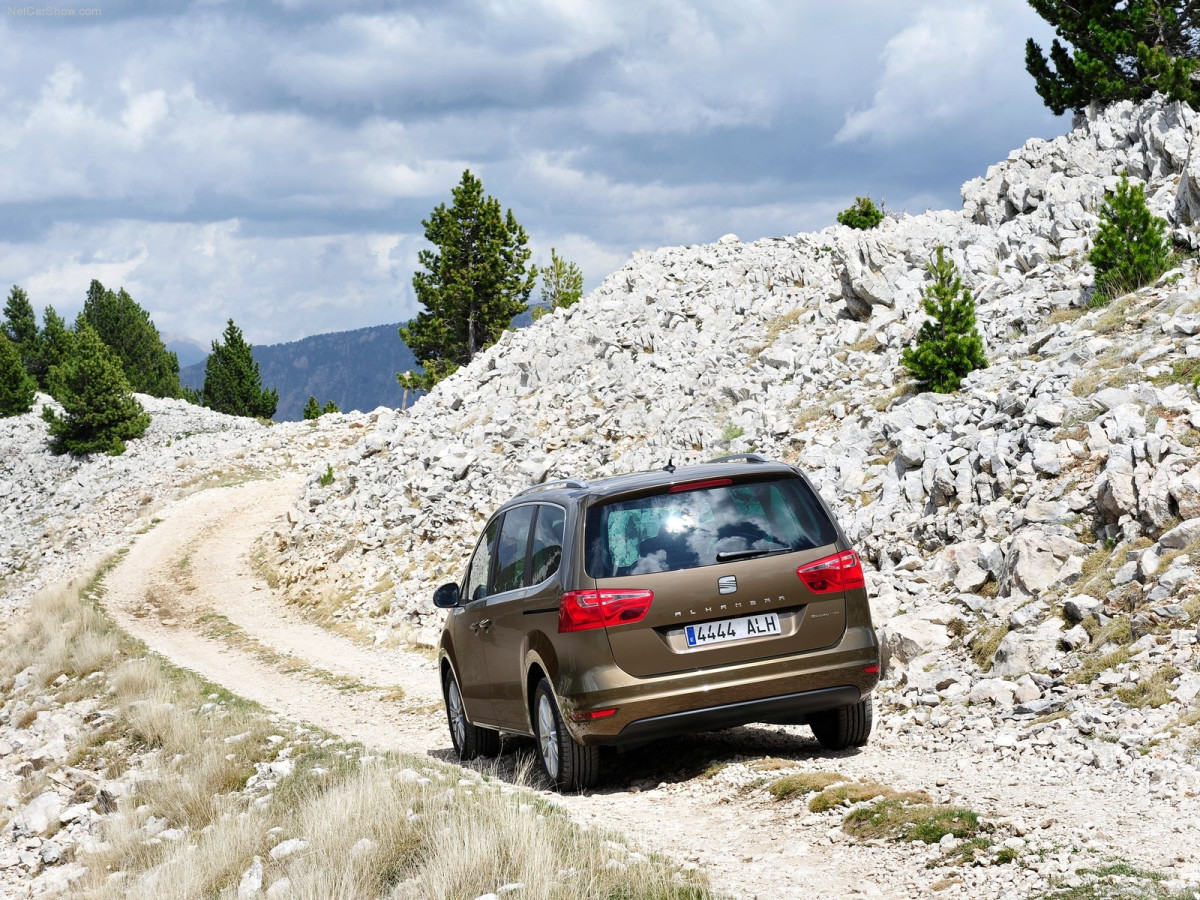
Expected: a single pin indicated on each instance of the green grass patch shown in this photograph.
(896, 819)
(1117, 881)
(859, 792)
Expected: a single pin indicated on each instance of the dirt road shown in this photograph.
(188, 589)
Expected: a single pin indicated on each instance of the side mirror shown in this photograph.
(446, 597)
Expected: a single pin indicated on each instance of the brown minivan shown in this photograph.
(618, 611)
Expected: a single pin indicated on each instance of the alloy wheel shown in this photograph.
(458, 718)
(547, 732)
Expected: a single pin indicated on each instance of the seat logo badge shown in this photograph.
(727, 584)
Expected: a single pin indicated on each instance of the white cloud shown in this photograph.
(273, 162)
(941, 68)
(192, 278)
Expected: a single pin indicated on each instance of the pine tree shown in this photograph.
(1122, 50)
(863, 215)
(232, 383)
(126, 327)
(948, 345)
(312, 409)
(57, 344)
(329, 407)
(473, 284)
(20, 327)
(17, 388)
(1131, 247)
(562, 285)
(100, 412)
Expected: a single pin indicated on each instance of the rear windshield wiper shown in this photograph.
(727, 555)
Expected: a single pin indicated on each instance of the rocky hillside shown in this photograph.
(1080, 429)
(1045, 517)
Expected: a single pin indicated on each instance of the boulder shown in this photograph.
(1038, 561)
(36, 816)
(1181, 535)
(1079, 607)
(905, 637)
(1022, 652)
(998, 691)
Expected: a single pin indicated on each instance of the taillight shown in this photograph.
(580, 610)
(840, 572)
(593, 715)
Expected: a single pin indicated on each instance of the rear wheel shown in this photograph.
(846, 726)
(469, 740)
(570, 766)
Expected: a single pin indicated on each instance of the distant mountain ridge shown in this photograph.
(355, 369)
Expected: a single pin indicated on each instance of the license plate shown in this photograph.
(762, 625)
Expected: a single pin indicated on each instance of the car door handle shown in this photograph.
(486, 625)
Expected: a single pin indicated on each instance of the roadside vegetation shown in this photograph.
(220, 797)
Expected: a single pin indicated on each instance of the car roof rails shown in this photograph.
(551, 485)
(742, 457)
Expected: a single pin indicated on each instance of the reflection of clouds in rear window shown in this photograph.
(647, 565)
(667, 532)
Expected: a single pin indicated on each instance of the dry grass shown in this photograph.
(1154, 691)
(984, 643)
(1106, 370)
(903, 389)
(1115, 631)
(869, 344)
(1093, 666)
(392, 827)
(808, 415)
(1067, 314)
(802, 783)
(786, 322)
(264, 567)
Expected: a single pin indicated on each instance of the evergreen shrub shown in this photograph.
(948, 346)
(1131, 247)
(864, 214)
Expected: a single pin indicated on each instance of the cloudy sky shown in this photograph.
(272, 162)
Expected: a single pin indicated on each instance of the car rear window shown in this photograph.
(686, 529)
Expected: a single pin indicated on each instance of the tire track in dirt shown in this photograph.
(191, 574)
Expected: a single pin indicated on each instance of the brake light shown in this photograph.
(699, 485)
(840, 572)
(872, 669)
(581, 610)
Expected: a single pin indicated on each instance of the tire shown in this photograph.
(844, 727)
(569, 766)
(469, 740)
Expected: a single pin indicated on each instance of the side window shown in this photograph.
(481, 563)
(546, 552)
(510, 552)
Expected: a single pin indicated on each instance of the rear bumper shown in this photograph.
(787, 709)
(779, 690)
